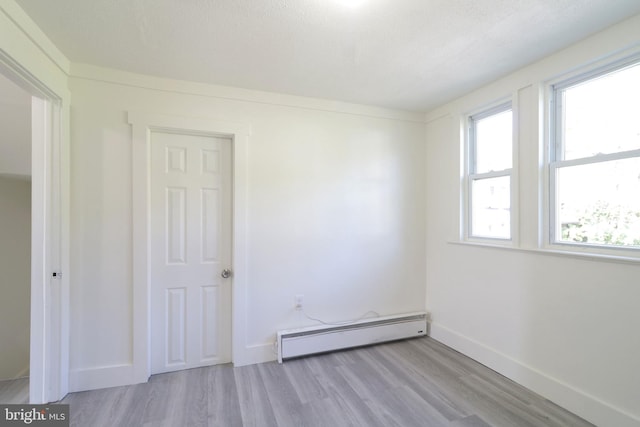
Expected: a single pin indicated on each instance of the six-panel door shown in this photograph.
(191, 246)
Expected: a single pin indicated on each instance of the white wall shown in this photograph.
(15, 122)
(15, 282)
(564, 326)
(15, 229)
(335, 209)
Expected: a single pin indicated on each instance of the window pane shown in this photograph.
(490, 207)
(600, 203)
(493, 137)
(601, 115)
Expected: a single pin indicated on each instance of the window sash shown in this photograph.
(472, 175)
(556, 193)
(472, 144)
(492, 174)
(556, 153)
(479, 177)
(598, 158)
(556, 150)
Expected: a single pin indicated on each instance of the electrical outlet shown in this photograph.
(299, 299)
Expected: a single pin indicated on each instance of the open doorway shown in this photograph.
(48, 366)
(15, 241)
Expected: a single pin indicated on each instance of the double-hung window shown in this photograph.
(594, 158)
(489, 178)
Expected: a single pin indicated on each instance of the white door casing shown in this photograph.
(190, 248)
(49, 330)
(143, 124)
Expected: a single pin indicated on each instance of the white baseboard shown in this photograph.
(101, 377)
(580, 403)
(252, 354)
(119, 375)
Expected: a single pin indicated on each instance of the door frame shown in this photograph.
(142, 126)
(49, 329)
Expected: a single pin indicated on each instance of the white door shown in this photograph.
(190, 251)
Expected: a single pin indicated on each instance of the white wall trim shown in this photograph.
(22, 21)
(37, 348)
(577, 401)
(100, 74)
(142, 124)
(47, 305)
(258, 353)
(101, 377)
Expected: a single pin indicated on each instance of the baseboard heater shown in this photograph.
(320, 339)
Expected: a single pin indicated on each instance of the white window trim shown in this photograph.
(551, 165)
(468, 176)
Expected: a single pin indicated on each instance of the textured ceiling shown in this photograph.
(406, 54)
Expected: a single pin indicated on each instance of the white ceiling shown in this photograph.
(406, 54)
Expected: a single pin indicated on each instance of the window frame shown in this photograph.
(470, 175)
(554, 161)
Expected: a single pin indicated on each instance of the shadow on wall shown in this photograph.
(15, 229)
(15, 284)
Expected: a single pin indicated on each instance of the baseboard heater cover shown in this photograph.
(320, 339)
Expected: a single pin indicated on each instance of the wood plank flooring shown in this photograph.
(14, 391)
(417, 382)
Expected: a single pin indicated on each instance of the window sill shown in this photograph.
(557, 251)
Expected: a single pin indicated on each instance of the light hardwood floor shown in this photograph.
(417, 382)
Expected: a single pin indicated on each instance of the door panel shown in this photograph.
(210, 299)
(191, 245)
(176, 333)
